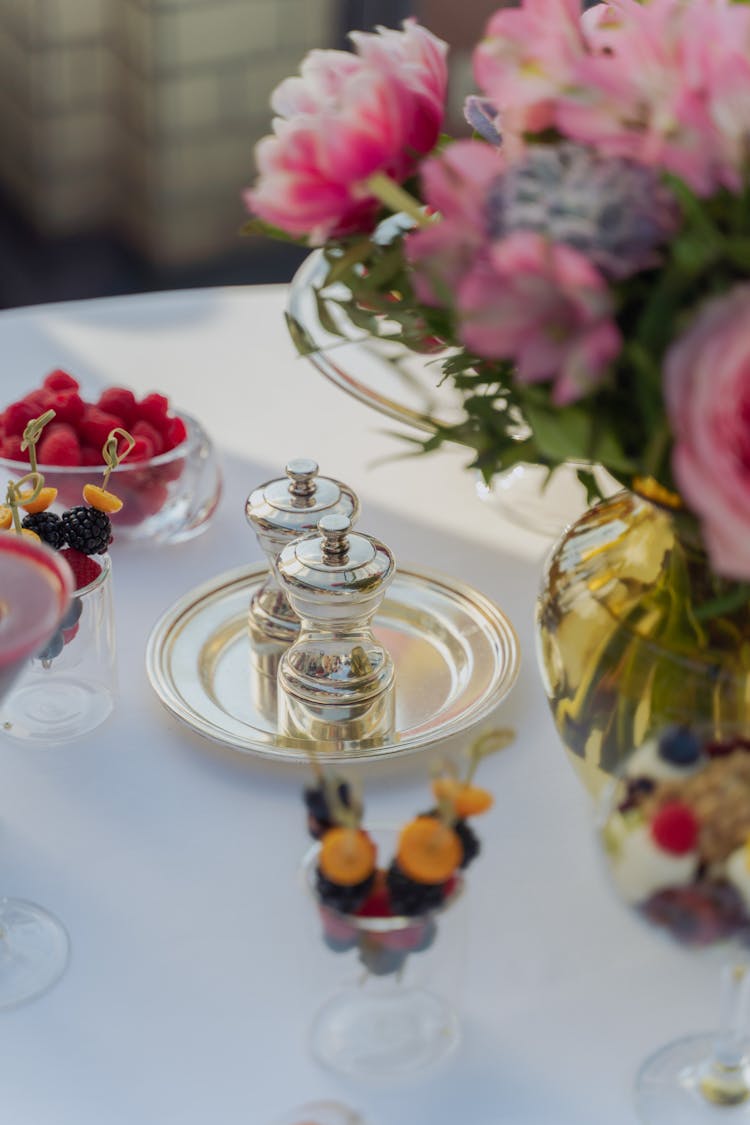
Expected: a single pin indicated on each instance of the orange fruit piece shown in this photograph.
(428, 850)
(42, 502)
(6, 518)
(347, 856)
(100, 499)
(31, 534)
(467, 800)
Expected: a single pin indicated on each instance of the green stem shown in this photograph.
(393, 196)
(734, 599)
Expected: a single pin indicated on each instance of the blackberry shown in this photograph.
(344, 899)
(87, 529)
(73, 614)
(469, 841)
(319, 818)
(48, 526)
(409, 897)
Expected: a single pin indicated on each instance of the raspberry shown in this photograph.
(67, 405)
(95, 426)
(146, 430)
(176, 432)
(59, 445)
(39, 400)
(85, 569)
(48, 527)
(143, 450)
(90, 456)
(60, 380)
(87, 529)
(119, 401)
(17, 417)
(675, 828)
(10, 448)
(153, 409)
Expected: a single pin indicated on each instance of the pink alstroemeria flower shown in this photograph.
(707, 390)
(527, 57)
(544, 306)
(344, 118)
(454, 185)
(667, 84)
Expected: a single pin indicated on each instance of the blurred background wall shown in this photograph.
(127, 129)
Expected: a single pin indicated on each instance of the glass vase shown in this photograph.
(632, 636)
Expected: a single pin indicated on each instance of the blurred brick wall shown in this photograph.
(142, 114)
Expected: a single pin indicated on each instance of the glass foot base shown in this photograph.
(34, 951)
(678, 1086)
(55, 712)
(383, 1036)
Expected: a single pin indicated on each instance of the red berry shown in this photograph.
(336, 927)
(59, 445)
(675, 828)
(39, 400)
(153, 409)
(67, 405)
(377, 904)
(10, 448)
(17, 417)
(146, 430)
(85, 569)
(143, 450)
(95, 426)
(176, 433)
(91, 456)
(60, 380)
(119, 401)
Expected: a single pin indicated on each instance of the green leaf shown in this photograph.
(299, 336)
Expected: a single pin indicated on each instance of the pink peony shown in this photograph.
(343, 119)
(707, 390)
(544, 306)
(455, 185)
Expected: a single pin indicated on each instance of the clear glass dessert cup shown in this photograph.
(166, 499)
(35, 592)
(675, 831)
(392, 984)
(70, 687)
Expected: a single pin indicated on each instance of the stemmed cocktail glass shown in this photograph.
(35, 590)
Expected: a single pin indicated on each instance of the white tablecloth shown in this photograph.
(173, 862)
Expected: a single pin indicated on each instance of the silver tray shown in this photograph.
(456, 657)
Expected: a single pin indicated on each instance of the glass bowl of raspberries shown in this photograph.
(391, 927)
(170, 483)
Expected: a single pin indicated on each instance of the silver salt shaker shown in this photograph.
(279, 512)
(336, 681)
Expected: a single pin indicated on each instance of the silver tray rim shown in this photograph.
(499, 689)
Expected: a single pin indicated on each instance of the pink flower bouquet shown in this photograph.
(587, 250)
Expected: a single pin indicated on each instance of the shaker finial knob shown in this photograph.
(302, 472)
(335, 528)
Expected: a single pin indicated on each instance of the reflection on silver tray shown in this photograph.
(456, 657)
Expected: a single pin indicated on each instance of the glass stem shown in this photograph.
(732, 1035)
(723, 1077)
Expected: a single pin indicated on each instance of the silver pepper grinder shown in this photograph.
(336, 681)
(279, 512)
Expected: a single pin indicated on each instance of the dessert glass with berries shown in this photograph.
(675, 831)
(391, 904)
(170, 484)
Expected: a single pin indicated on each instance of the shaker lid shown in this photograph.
(295, 503)
(337, 560)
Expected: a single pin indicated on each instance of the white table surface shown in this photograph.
(173, 861)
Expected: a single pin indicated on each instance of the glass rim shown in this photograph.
(45, 556)
(193, 427)
(376, 924)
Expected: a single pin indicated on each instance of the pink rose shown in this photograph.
(343, 119)
(544, 306)
(707, 390)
